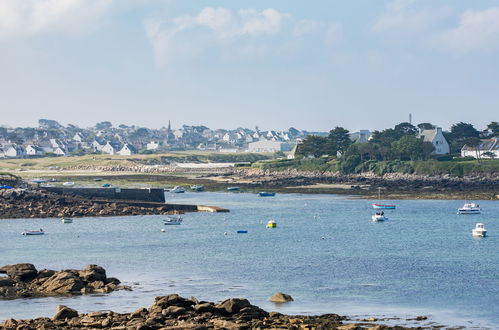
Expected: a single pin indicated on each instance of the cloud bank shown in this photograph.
(32, 17)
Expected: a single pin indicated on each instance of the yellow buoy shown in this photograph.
(271, 224)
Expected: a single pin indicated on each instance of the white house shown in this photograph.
(153, 145)
(292, 154)
(32, 150)
(485, 147)
(13, 151)
(435, 136)
(78, 137)
(60, 151)
(96, 146)
(127, 150)
(268, 146)
(108, 149)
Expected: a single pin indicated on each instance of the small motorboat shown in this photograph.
(469, 208)
(271, 224)
(68, 183)
(197, 188)
(379, 216)
(266, 194)
(173, 220)
(177, 190)
(383, 206)
(32, 232)
(233, 188)
(106, 185)
(66, 220)
(242, 231)
(479, 230)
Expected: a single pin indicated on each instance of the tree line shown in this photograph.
(398, 143)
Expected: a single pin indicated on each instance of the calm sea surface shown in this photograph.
(325, 252)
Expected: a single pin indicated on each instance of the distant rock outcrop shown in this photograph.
(23, 280)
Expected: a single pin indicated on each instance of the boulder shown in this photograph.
(206, 308)
(64, 312)
(63, 282)
(173, 300)
(281, 298)
(233, 305)
(93, 273)
(20, 272)
(6, 281)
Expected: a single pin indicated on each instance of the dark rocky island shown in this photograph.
(24, 280)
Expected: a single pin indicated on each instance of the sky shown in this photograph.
(274, 64)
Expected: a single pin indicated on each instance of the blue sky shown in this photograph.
(313, 65)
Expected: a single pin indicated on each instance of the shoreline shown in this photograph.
(392, 185)
(175, 312)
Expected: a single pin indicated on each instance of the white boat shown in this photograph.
(66, 220)
(32, 232)
(69, 183)
(469, 208)
(197, 188)
(177, 190)
(379, 216)
(173, 220)
(479, 230)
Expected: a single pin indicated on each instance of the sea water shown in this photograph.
(325, 252)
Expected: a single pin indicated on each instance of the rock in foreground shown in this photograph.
(175, 312)
(24, 280)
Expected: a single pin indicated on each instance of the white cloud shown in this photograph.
(31, 17)
(477, 31)
(249, 29)
(402, 17)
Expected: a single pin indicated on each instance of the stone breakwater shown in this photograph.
(175, 312)
(24, 280)
(20, 203)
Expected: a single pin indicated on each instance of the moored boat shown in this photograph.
(32, 232)
(266, 194)
(177, 190)
(382, 206)
(68, 183)
(469, 208)
(66, 220)
(233, 188)
(197, 188)
(173, 220)
(479, 230)
(379, 216)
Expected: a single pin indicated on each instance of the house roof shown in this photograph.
(485, 145)
(428, 134)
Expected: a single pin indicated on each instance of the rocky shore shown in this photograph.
(395, 185)
(21, 203)
(175, 312)
(24, 280)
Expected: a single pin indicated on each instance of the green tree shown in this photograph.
(424, 126)
(338, 140)
(405, 128)
(408, 147)
(493, 129)
(312, 145)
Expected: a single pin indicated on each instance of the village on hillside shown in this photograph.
(51, 139)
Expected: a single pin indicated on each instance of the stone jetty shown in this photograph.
(21, 203)
(175, 312)
(24, 280)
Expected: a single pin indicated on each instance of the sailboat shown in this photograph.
(382, 206)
